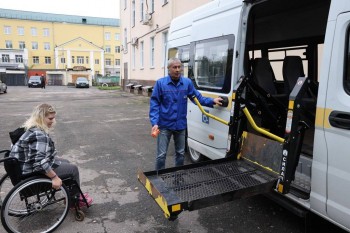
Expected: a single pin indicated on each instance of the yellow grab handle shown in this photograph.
(260, 130)
(208, 114)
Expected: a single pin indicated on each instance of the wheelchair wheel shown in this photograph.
(33, 206)
(5, 187)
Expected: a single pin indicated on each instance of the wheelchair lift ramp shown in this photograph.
(196, 186)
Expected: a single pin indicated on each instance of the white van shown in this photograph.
(284, 67)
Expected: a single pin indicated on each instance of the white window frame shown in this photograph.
(108, 62)
(46, 45)
(80, 59)
(5, 58)
(142, 46)
(19, 58)
(47, 60)
(33, 31)
(107, 36)
(141, 10)
(97, 61)
(21, 44)
(117, 62)
(8, 44)
(46, 32)
(20, 31)
(63, 60)
(108, 49)
(117, 36)
(151, 52)
(35, 59)
(117, 49)
(35, 45)
(7, 30)
(133, 57)
(133, 14)
(164, 48)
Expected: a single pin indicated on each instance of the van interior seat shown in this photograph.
(293, 69)
(264, 77)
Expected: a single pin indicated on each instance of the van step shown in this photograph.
(196, 186)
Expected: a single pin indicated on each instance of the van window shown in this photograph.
(347, 64)
(213, 64)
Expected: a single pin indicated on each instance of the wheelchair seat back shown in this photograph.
(13, 169)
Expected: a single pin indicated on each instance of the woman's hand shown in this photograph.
(56, 182)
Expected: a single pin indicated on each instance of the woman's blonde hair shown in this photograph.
(37, 118)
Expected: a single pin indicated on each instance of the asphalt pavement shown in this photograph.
(107, 134)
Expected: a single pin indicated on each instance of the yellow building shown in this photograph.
(62, 47)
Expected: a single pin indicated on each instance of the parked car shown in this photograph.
(34, 81)
(82, 82)
(3, 87)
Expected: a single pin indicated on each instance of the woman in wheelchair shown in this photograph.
(36, 153)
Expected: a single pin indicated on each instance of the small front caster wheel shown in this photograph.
(79, 215)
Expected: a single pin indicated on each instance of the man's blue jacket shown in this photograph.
(168, 104)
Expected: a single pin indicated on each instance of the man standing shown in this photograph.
(43, 81)
(168, 111)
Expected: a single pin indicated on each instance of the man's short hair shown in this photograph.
(173, 60)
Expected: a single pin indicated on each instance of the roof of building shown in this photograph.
(48, 17)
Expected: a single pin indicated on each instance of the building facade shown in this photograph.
(62, 47)
(144, 32)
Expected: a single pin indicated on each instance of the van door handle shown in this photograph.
(224, 101)
(340, 119)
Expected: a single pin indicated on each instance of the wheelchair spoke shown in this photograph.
(27, 207)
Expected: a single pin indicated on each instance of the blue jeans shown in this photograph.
(163, 143)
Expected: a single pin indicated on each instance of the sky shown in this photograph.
(95, 8)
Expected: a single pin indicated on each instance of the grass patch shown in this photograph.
(109, 88)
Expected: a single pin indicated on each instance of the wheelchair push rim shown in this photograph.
(33, 206)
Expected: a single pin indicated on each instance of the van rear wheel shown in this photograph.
(195, 156)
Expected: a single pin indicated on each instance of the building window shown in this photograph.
(117, 62)
(33, 31)
(141, 10)
(108, 49)
(125, 43)
(133, 14)
(63, 60)
(35, 46)
(133, 57)
(107, 36)
(22, 44)
(7, 30)
(117, 36)
(35, 59)
(8, 44)
(97, 61)
(46, 32)
(73, 59)
(117, 49)
(46, 45)
(152, 6)
(152, 52)
(87, 59)
(19, 58)
(165, 39)
(125, 4)
(141, 54)
(108, 62)
(47, 60)
(5, 58)
(80, 59)
(20, 31)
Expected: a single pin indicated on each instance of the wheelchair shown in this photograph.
(30, 204)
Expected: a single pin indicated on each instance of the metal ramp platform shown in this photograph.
(196, 186)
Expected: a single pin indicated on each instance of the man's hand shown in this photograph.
(218, 101)
(56, 182)
(155, 131)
